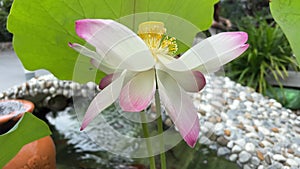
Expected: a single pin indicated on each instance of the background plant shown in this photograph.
(285, 13)
(237, 9)
(4, 11)
(269, 54)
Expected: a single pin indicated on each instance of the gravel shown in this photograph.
(237, 122)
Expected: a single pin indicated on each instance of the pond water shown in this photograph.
(181, 157)
(76, 150)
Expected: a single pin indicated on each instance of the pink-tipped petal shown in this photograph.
(104, 99)
(190, 81)
(200, 80)
(137, 94)
(180, 108)
(228, 40)
(118, 45)
(215, 49)
(216, 63)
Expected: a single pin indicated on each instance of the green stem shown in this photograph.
(160, 130)
(148, 143)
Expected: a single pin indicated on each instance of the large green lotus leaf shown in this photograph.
(287, 14)
(28, 129)
(42, 29)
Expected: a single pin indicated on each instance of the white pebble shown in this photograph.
(236, 149)
(264, 131)
(250, 147)
(277, 104)
(91, 85)
(52, 90)
(279, 157)
(244, 157)
(66, 93)
(240, 142)
(260, 167)
(291, 162)
(230, 144)
(45, 91)
(233, 157)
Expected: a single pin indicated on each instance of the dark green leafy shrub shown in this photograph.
(269, 54)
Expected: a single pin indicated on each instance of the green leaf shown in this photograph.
(28, 129)
(287, 14)
(42, 29)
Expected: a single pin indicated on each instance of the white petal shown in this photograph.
(216, 63)
(85, 51)
(103, 66)
(137, 94)
(96, 59)
(211, 53)
(104, 99)
(190, 81)
(180, 108)
(119, 46)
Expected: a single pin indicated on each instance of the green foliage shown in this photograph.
(42, 29)
(287, 15)
(285, 12)
(237, 9)
(288, 97)
(269, 54)
(28, 129)
(4, 10)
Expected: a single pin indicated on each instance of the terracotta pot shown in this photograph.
(35, 155)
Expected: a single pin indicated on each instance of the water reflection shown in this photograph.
(76, 150)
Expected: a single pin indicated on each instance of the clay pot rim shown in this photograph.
(28, 105)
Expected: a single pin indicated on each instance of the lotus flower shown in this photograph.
(139, 64)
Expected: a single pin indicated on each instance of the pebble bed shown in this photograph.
(236, 122)
(247, 128)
